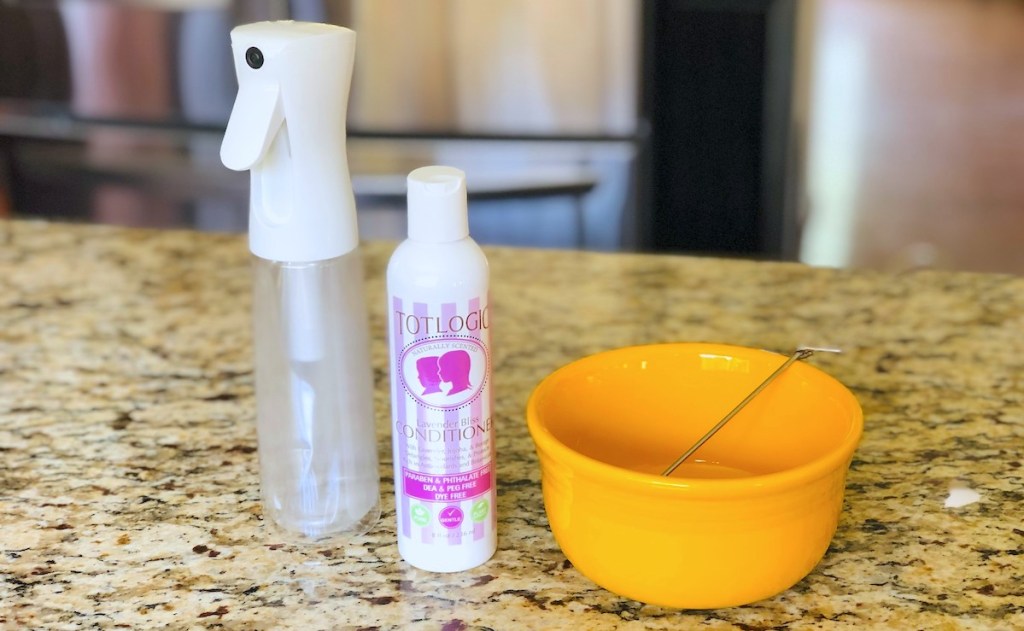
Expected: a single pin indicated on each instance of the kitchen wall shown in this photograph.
(915, 135)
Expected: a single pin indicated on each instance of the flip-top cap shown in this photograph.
(437, 205)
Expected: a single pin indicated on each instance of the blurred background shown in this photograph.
(884, 134)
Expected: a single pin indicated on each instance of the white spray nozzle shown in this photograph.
(288, 127)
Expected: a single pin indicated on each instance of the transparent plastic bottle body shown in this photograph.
(314, 398)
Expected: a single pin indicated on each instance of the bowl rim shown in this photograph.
(836, 458)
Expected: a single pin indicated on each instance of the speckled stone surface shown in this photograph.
(129, 488)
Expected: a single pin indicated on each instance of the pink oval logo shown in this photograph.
(444, 373)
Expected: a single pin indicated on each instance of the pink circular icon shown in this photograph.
(450, 516)
(444, 373)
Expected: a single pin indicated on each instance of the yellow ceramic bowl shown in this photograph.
(748, 516)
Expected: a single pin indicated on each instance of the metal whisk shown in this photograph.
(802, 352)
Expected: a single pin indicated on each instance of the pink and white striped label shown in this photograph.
(442, 401)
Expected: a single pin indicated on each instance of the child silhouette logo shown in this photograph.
(429, 374)
(454, 367)
(444, 374)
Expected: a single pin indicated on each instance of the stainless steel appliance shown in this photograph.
(114, 111)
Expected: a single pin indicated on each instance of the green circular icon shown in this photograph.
(420, 515)
(479, 510)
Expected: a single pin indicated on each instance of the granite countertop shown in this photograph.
(129, 486)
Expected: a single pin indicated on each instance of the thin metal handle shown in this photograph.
(801, 353)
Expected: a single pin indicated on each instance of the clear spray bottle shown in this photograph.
(314, 386)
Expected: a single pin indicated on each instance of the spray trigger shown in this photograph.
(255, 119)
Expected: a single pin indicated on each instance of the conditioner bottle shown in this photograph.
(441, 398)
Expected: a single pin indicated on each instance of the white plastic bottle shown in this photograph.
(314, 385)
(441, 398)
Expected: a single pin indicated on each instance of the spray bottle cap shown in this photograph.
(288, 128)
(437, 205)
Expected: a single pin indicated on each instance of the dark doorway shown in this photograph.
(717, 95)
